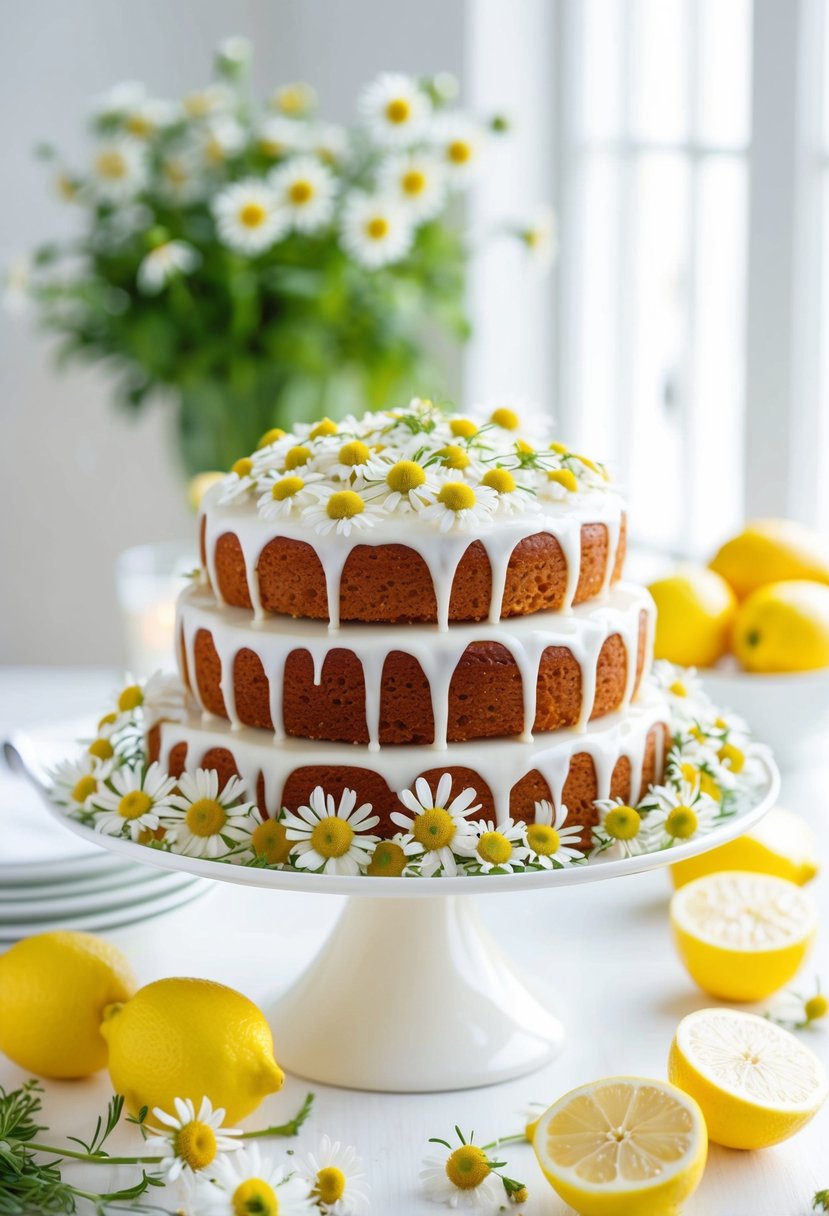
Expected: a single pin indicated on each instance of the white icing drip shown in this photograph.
(614, 531)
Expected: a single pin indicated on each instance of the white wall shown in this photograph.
(78, 483)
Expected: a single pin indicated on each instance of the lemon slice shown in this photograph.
(742, 936)
(624, 1146)
(755, 1082)
(782, 843)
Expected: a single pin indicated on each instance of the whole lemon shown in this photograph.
(695, 611)
(54, 988)
(784, 627)
(188, 1038)
(769, 551)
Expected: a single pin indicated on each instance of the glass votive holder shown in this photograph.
(148, 580)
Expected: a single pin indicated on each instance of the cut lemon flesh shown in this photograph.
(741, 935)
(623, 1146)
(755, 1082)
(782, 843)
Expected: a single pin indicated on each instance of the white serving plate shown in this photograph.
(61, 905)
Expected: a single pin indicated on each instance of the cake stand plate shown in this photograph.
(409, 962)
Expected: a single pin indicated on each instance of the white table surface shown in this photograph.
(603, 953)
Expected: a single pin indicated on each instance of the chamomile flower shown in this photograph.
(460, 145)
(335, 1178)
(341, 511)
(400, 485)
(457, 504)
(76, 782)
(550, 843)
(180, 176)
(250, 1182)
(247, 217)
(331, 838)
(119, 170)
(436, 824)
(328, 141)
(396, 110)
(305, 190)
(119, 99)
(204, 103)
(239, 482)
(191, 1140)
(219, 140)
(284, 494)
(163, 263)
(390, 858)
(540, 238)
(375, 230)
(280, 137)
(620, 831)
(676, 814)
(145, 118)
(201, 821)
(495, 847)
(463, 1177)
(296, 99)
(162, 699)
(350, 460)
(416, 181)
(512, 497)
(133, 801)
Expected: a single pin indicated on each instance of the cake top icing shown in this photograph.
(452, 472)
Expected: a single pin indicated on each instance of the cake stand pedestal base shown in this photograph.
(412, 996)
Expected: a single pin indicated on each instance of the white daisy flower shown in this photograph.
(134, 802)
(191, 1141)
(375, 230)
(396, 110)
(296, 99)
(220, 139)
(239, 482)
(678, 814)
(248, 1181)
(305, 190)
(163, 263)
(416, 181)
(500, 847)
(331, 838)
(119, 169)
(540, 238)
(335, 1178)
(119, 99)
(201, 821)
(247, 217)
(550, 844)
(143, 119)
(463, 1178)
(76, 782)
(349, 460)
(280, 136)
(341, 511)
(328, 141)
(284, 494)
(620, 831)
(397, 485)
(460, 144)
(436, 824)
(210, 101)
(180, 176)
(512, 497)
(457, 504)
(708, 778)
(162, 699)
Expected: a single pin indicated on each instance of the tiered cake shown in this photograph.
(412, 594)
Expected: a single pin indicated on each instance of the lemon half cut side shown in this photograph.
(623, 1146)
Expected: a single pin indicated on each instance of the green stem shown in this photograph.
(96, 1158)
(516, 1138)
(291, 1128)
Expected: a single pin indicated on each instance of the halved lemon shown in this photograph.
(741, 935)
(755, 1082)
(782, 843)
(624, 1146)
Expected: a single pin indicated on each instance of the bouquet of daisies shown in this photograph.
(261, 265)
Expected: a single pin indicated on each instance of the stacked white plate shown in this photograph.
(50, 879)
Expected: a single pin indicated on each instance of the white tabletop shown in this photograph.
(603, 952)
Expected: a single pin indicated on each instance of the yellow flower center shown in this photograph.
(197, 104)
(295, 98)
(195, 1144)
(324, 427)
(297, 456)
(506, 418)
(300, 192)
(332, 837)
(413, 182)
(270, 437)
(107, 720)
(388, 860)
(139, 126)
(255, 1197)
(678, 689)
(467, 1167)
(330, 1185)
(398, 110)
(404, 476)
(564, 477)
(623, 823)
(101, 749)
(130, 698)
(344, 504)
(500, 480)
(732, 756)
(434, 828)
(707, 784)
(271, 148)
(457, 496)
(816, 1007)
(463, 428)
(84, 789)
(682, 823)
(242, 467)
(354, 452)
(698, 733)
(561, 448)
(134, 804)
(206, 817)
(66, 187)
(175, 172)
(270, 841)
(111, 166)
(454, 457)
(459, 152)
(543, 839)
(494, 848)
(377, 228)
(252, 215)
(286, 487)
(523, 448)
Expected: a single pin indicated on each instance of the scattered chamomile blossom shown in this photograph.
(285, 494)
(328, 141)
(399, 485)
(512, 497)
(191, 1140)
(132, 801)
(220, 139)
(390, 858)
(797, 1012)
(460, 144)
(468, 1177)
(201, 821)
(181, 180)
(396, 110)
(375, 230)
(248, 218)
(495, 848)
(249, 1182)
(76, 782)
(620, 829)
(416, 181)
(165, 262)
(349, 461)
(119, 170)
(457, 504)
(279, 136)
(551, 845)
(540, 238)
(206, 103)
(295, 99)
(334, 1176)
(329, 837)
(676, 814)
(239, 482)
(305, 190)
(341, 512)
(162, 699)
(436, 824)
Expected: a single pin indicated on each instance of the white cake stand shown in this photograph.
(408, 961)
